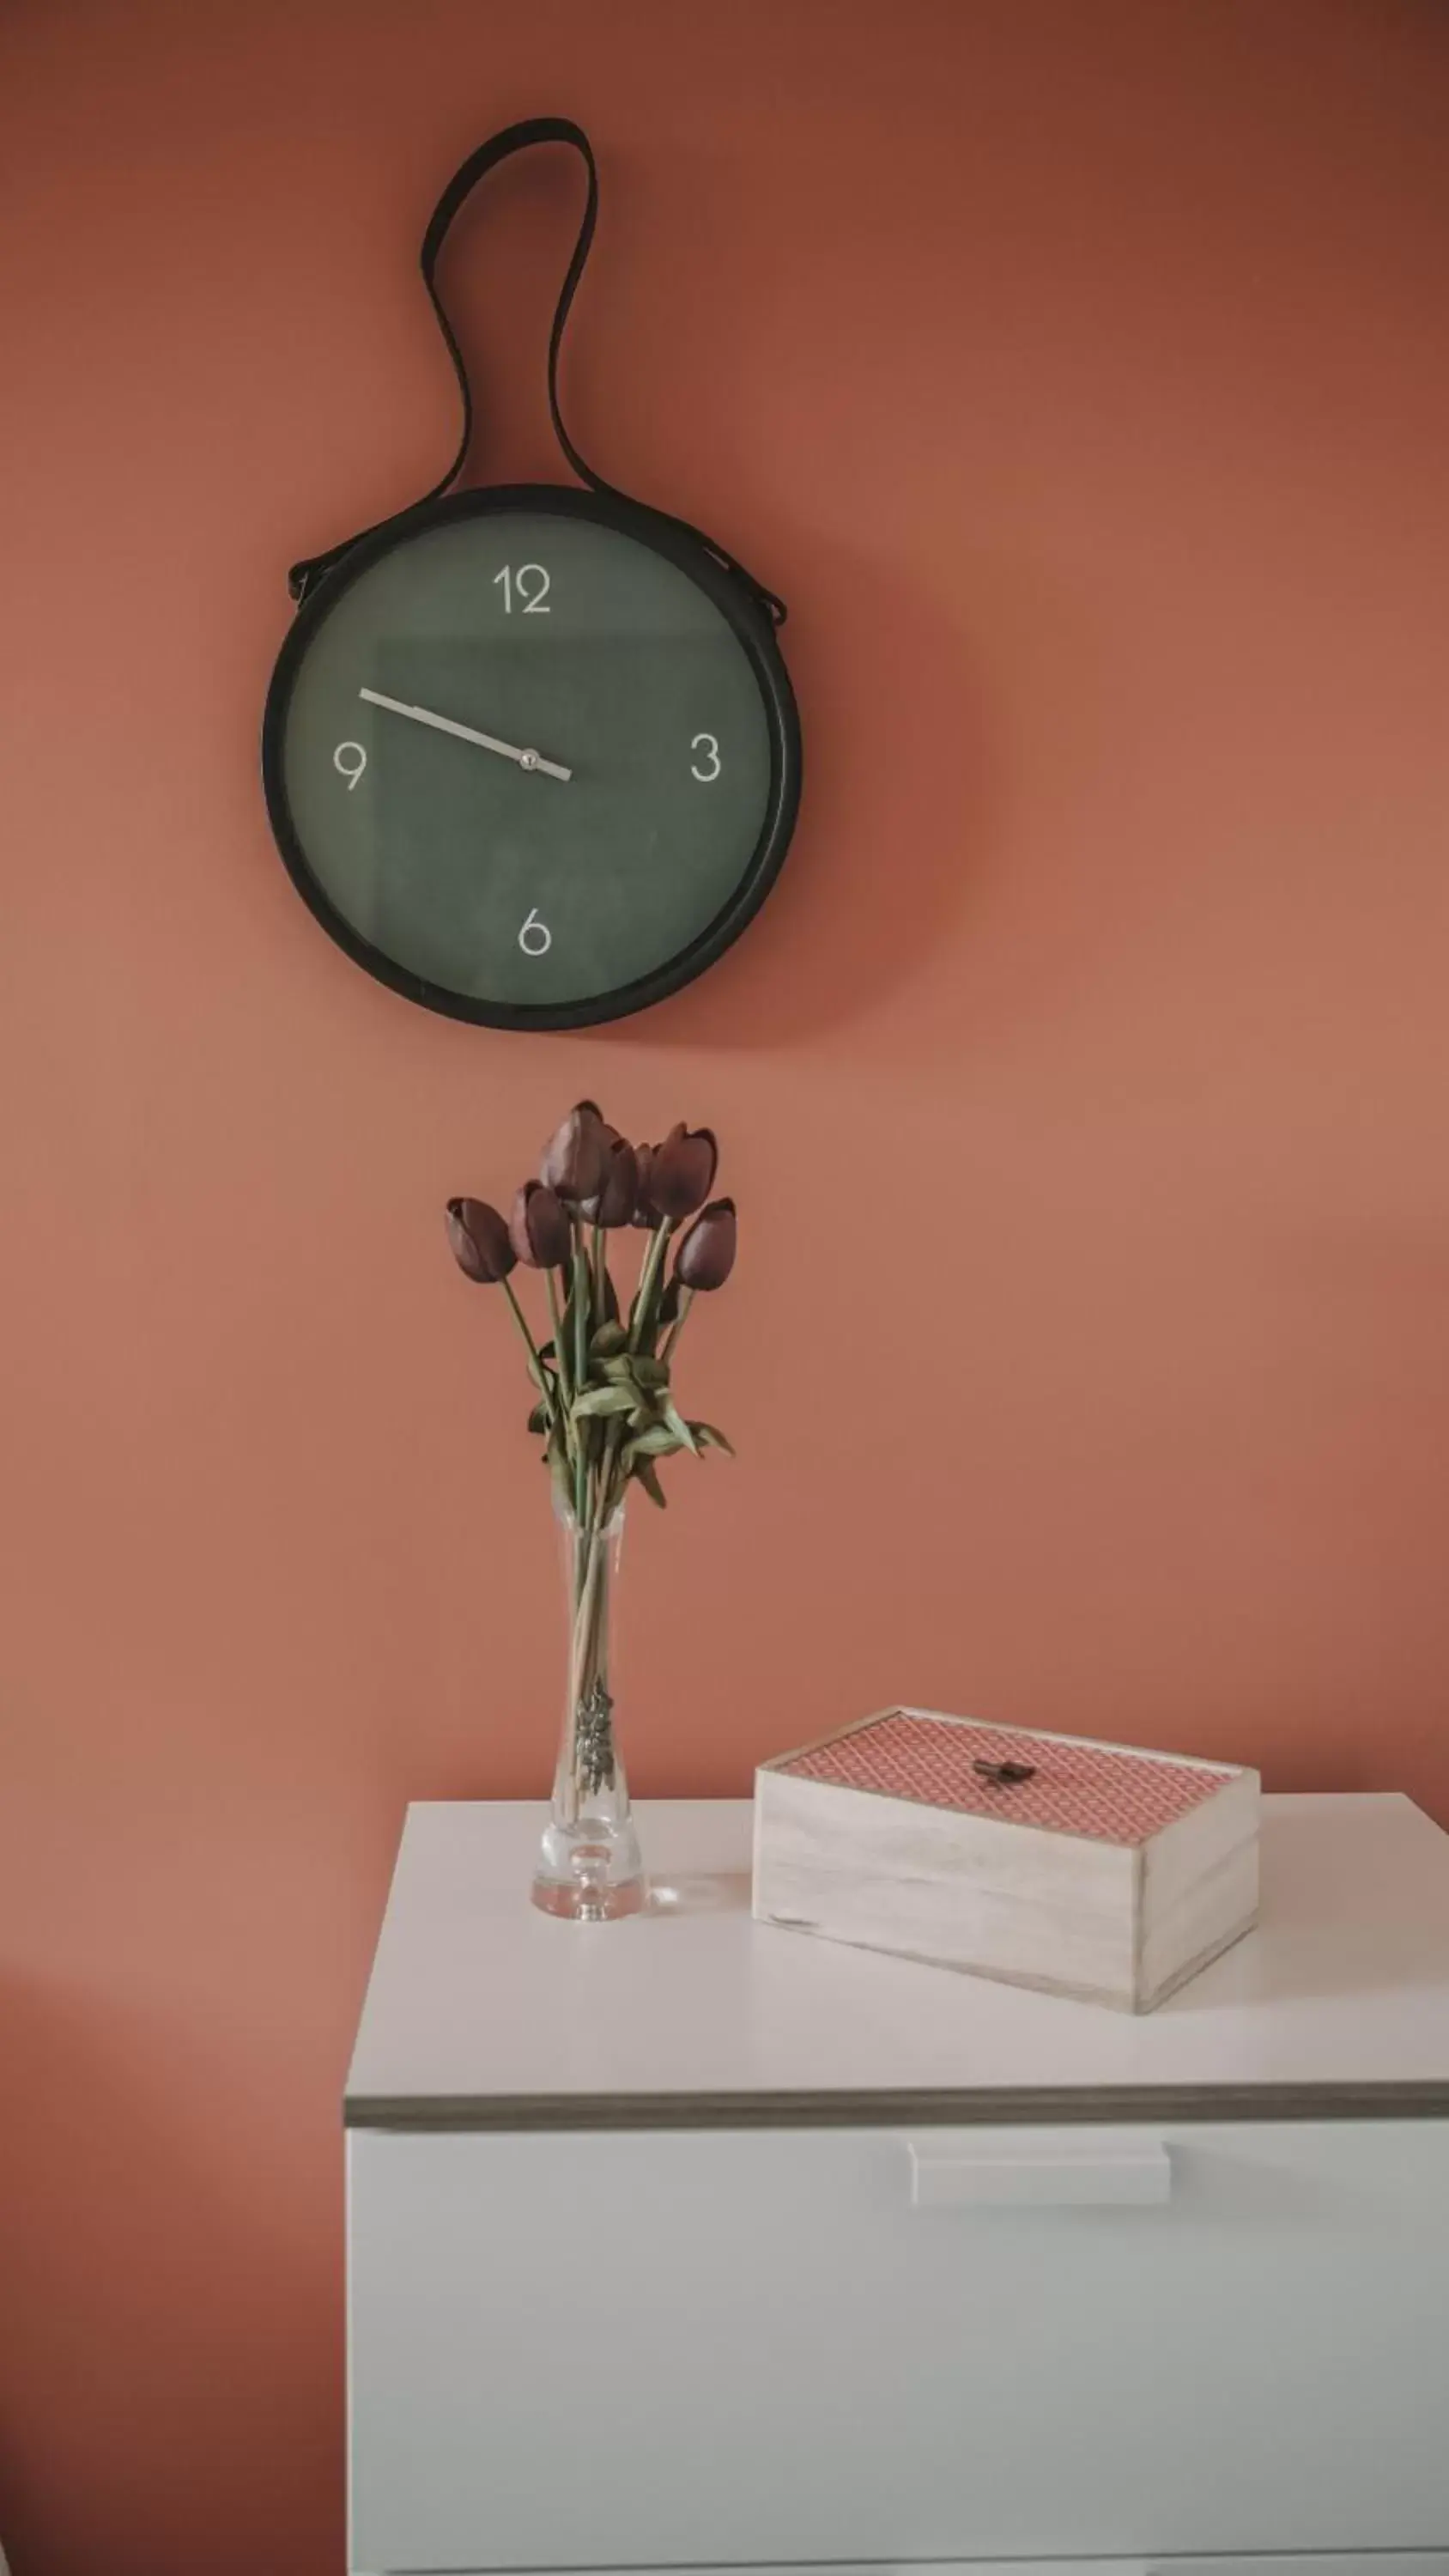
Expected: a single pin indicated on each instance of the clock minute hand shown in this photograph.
(530, 760)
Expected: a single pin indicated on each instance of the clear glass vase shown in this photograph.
(589, 1868)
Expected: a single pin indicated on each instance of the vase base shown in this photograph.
(595, 1902)
(591, 1872)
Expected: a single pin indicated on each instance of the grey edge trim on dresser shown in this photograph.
(1124, 2103)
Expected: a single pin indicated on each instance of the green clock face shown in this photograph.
(532, 757)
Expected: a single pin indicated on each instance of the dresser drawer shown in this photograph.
(652, 2350)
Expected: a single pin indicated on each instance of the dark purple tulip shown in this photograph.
(575, 1155)
(682, 1170)
(540, 1231)
(706, 1255)
(614, 1203)
(479, 1240)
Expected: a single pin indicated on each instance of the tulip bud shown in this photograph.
(479, 1240)
(540, 1230)
(706, 1255)
(682, 1170)
(614, 1203)
(575, 1155)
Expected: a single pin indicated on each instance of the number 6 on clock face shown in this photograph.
(537, 683)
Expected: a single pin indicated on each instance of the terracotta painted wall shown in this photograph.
(1080, 376)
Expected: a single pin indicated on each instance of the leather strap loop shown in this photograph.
(520, 138)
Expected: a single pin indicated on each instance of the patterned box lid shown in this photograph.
(1105, 1792)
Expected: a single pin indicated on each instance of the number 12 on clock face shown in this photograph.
(531, 585)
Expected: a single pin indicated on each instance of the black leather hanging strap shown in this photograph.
(519, 138)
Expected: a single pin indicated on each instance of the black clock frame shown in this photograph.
(753, 631)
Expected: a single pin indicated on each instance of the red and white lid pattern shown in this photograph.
(1106, 1793)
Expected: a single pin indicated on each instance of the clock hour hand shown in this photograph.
(530, 760)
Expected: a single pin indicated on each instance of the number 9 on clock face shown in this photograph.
(532, 756)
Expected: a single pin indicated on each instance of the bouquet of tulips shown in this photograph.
(606, 1412)
(605, 1408)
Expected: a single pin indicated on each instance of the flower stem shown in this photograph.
(560, 1354)
(608, 1495)
(686, 1300)
(649, 1280)
(583, 1310)
(583, 1305)
(539, 1372)
(589, 1764)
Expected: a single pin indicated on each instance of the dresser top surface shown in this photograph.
(482, 2012)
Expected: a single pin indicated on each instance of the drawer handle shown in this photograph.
(1138, 2176)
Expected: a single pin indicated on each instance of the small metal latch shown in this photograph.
(1005, 1775)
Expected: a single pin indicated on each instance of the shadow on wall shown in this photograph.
(897, 822)
(159, 2230)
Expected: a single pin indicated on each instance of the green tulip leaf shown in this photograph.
(538, 1419)
(680, 1428)
(604, 1399)
(651, 1372)
(657, 1442)
(608, 1340)
(708, 1438)
(647, 1475)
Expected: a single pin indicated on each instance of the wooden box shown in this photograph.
(1089, 1869)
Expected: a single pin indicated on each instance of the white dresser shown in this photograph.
(685, 2242)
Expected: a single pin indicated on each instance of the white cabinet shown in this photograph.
(603, 2320)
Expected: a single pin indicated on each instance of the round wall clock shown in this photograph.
(531, 753)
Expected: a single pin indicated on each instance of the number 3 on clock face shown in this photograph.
(532, 756)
